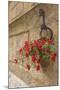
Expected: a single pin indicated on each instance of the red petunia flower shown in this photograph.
(27, 54)
(26, 47)
(36, 42)
(38, 68)
(53, 56)
(40, 47)
(33, 58)
(27, 67)
(36, 63)
(43, 41)
(20, 50)
(26, 42)
(39, 59)
(50, 41)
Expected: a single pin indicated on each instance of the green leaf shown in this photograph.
(45, 46)
(33, 64)
(46, 58)
(41, 53)
(32, 52)
(52, 48)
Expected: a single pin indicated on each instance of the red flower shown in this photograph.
(40, 47)
(43, 41)
(26, 47)
(27, 54)
(50, 41)
(36, 63)
(39, 60)
(27, 67)
(37, 67)
(20, 50)
(33, 58)
(16, 61)
(36, 42)
(53, 56)
(26, 43)
(32, 45)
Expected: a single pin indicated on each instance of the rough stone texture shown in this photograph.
(15, 82)
(27, 27)
(32, 78)
(17, 9)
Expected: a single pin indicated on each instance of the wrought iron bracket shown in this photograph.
(43, 26)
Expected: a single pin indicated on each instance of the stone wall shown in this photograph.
(17, 9)
(27, 27)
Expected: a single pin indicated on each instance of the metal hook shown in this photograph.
(42, 13)
(43, 26)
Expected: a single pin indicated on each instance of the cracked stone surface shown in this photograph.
(15, 82)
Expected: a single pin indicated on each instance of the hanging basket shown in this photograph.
(41, 51)
(45, 64)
